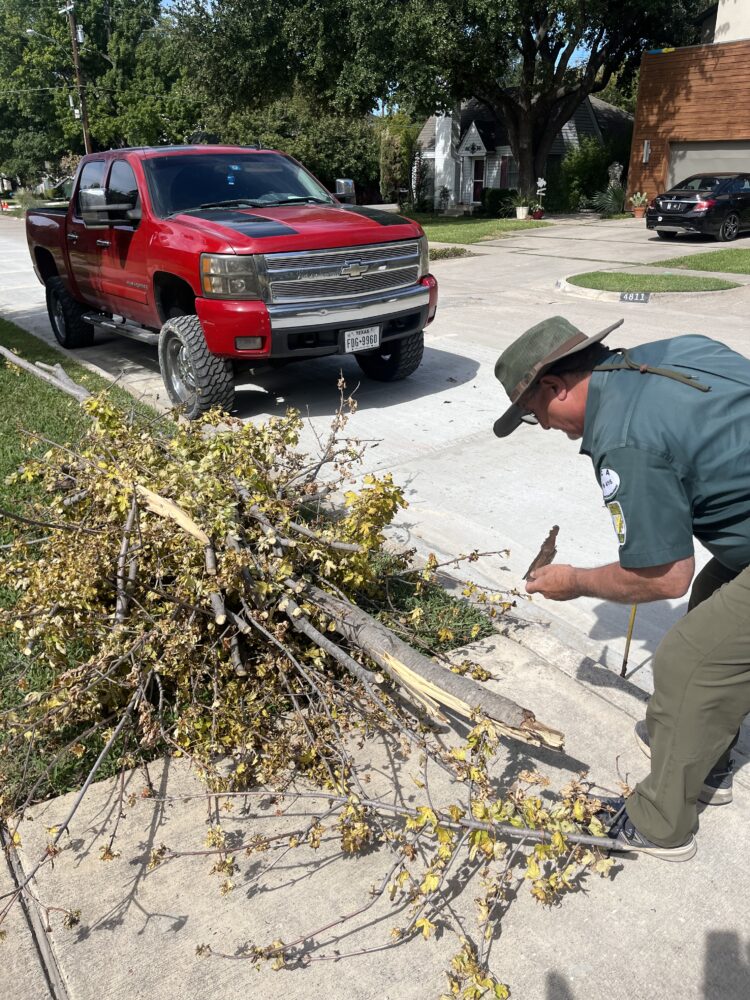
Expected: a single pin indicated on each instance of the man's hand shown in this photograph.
(557, 583)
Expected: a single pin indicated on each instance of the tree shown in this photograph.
(532, 62)
(136, 77)
(329, 143)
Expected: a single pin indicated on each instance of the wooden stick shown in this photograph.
(627, 641)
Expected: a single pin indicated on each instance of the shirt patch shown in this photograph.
(618, 521)
(610, 483)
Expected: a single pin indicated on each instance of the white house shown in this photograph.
(470, 150)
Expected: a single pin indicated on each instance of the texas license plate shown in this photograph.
(363, 339)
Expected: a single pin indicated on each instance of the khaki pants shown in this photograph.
(701, 695)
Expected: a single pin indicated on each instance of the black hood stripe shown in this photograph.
(378, 215)
(242, 222)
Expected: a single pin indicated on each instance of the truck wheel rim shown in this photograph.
(180, 371)
(58, 316)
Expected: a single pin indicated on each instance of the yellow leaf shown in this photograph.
(425, 926)
(430, 882)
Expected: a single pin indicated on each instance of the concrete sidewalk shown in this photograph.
(651, 930)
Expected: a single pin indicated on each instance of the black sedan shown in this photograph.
(713, 204)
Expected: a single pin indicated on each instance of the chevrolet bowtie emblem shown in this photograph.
(355, 270)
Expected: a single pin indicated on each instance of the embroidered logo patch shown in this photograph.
(618, 521)
(610, 483)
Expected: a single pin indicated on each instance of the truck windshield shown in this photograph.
(223, 180)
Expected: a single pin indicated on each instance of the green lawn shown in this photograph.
(469, 228)
(31, 407)
(627, 281)
(734, 261)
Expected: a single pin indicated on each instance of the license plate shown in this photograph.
(363, 339)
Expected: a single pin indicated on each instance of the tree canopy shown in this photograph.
(309, 71)
(134, 70)
(532, 62)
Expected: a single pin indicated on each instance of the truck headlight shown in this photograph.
(229, 276)
(424, 257)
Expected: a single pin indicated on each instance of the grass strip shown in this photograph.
(33, 407)
(448, 253)
(734, 261)
(470, 228)
(628, 281)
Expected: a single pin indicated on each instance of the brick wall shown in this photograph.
(694, 94)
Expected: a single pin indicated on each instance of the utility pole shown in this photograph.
(69, 9)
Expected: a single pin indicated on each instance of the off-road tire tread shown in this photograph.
(214, 376)
(405, 358)
(78, 333)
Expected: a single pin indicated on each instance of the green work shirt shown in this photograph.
(674, 462)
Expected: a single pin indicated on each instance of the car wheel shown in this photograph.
(66, 316)
(664, 235)
(730, 228)
(393, 361)
(196, 380)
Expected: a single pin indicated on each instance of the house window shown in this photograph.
(508, 172)
(478, 184)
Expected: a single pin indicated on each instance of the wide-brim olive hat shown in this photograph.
(522, 364)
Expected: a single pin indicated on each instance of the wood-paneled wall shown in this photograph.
(694, 94)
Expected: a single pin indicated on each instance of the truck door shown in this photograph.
(83, 242)
(124, 260)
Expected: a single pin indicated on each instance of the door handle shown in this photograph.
(102, 243)
(73, 237)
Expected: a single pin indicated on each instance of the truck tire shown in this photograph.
(66, 316)
(196, 380)
(394, 361)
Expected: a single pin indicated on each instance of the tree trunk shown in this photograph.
(425, 679)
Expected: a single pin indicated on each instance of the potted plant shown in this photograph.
(639, 201)
(521, 202)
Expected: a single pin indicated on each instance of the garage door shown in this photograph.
(686, 158)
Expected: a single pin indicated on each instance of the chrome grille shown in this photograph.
(317, 275)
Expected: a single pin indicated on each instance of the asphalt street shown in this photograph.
(466, 489)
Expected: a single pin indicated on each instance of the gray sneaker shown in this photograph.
(717, 788)
(626, 838)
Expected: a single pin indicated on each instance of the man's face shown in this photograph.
(557, 406)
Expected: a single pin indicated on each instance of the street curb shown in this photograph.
(564, 286)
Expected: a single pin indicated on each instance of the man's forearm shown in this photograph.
(613, 583)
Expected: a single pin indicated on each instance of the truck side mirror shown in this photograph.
(97, 213)
(345, 190)
(92, 203)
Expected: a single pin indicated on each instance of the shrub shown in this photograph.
(26, 199)
(494, 200)
(584, 171)
(610, 201)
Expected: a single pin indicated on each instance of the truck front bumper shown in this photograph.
(313, 329)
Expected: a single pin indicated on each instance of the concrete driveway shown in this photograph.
(466, 489)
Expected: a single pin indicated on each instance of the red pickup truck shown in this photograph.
(230, 257)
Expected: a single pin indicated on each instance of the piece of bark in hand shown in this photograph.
(545, 555)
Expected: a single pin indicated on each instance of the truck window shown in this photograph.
(92, 176)
(122, 189)
(186, 183)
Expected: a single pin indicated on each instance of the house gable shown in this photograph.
(472, 143)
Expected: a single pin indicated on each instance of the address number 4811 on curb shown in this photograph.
(635, 296)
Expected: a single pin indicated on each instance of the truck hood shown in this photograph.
(299, 227)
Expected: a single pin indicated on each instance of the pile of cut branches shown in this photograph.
(196, 591)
